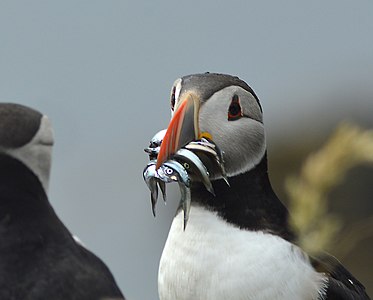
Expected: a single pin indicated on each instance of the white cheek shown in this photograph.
(37, 154)
(243, 140)
(244, 147)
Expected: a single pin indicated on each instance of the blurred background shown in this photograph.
(102, 71)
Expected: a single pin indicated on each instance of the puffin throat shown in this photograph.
(249, 202)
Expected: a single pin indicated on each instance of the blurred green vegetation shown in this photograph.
(328, 187)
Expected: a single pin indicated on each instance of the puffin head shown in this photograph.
(219, 107)
(26, 135)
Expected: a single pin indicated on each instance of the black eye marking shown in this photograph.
(173, 98)
(235, 110)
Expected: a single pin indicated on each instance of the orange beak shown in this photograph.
(183, 128)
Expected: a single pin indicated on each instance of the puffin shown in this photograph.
(39, 257)
(238, 243)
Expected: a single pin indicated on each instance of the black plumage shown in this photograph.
(39, 258)
(249, 202)
(209, 83)
(342, 284)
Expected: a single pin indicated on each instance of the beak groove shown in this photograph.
(183, 128)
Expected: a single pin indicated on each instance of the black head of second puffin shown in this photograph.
(26, 137)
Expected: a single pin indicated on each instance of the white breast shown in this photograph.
(214, 260)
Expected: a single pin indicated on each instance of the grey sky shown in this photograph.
(102, 71)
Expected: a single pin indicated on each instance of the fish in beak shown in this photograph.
(172, 154)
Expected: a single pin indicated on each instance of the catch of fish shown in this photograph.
(179, 169)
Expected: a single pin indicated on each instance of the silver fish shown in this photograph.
(162, 186)
(186, 199)
(150, 174)
(193, 159)
(155, 144)
(210, 149)
(176, 170)
(151, 178)
(172, 170)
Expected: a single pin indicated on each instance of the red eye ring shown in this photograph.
(235, 110)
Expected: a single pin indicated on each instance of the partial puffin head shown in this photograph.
(26, 135)
(222, 108)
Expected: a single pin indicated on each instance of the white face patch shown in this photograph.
(242, 140)
(37, 154)
(215, 260)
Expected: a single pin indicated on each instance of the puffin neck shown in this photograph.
(249, 202)
(24, 206)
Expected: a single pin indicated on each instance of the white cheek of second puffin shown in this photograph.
(37, 154)
(242, 140)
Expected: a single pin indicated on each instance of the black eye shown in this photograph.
(235, 110)
(173, 99)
